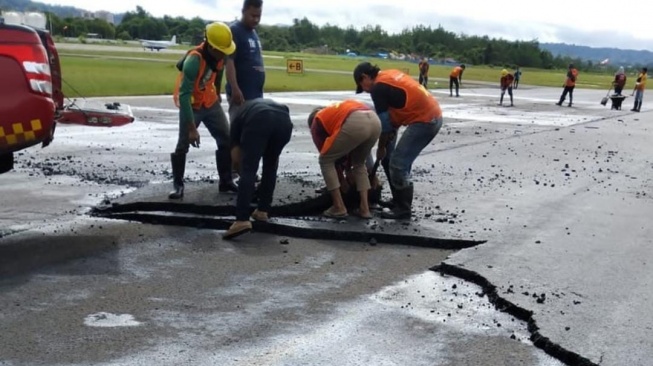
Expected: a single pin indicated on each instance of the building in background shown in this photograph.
(101, 14)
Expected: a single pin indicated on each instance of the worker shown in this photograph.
(569, 85)
(260, 129)
(619, 81)
(517, 77)
(640, 86)
(424, 72)
(506, 84)
(245, 71)
(198, 98)
(456, 78)
(400, 100)
(345, 129)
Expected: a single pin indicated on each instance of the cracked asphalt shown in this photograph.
(561, 198)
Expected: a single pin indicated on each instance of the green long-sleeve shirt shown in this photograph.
(190, 71)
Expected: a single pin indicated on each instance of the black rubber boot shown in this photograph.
(404, 204)
(639, 106)
(223, 161)
(178, 162)
(635, 107)
(392, 202)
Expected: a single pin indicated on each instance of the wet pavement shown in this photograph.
(539, 210)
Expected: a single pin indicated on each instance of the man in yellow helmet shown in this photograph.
(505, 83)
(197, 94)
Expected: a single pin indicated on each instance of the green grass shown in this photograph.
(112, 74)
(101, 77)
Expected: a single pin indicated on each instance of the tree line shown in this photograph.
(419, 41)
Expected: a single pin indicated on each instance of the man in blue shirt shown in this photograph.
(245, 72)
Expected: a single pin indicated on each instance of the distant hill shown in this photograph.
(615, 55)
(28, 5)
(58, 10)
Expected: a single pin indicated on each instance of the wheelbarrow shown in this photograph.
(617, 100)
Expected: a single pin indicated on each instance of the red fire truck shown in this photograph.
(31, 97)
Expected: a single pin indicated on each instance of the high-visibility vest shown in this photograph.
(420, 105)
(333, 116)
(204, 94)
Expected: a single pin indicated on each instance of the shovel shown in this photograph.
(604, 101)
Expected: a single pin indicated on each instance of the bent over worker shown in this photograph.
(399, 100)
(456, 78)
(260, 128)
(198, 98)
(569, 85)
(506, 84)
(347, 128)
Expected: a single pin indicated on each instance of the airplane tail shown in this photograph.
(174, 39)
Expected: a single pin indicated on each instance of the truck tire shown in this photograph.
(6, 162)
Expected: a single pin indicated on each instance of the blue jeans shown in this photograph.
(639, 95)
(415, 138)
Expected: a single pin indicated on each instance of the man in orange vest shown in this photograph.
(456, 78)
(424, 72)
(569, 85)
(345, 129)
(400, 100)
(198, 98)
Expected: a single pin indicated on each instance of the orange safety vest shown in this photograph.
(571, 82)
(456, 72)
(333, 116)
(420, 107)
(203, 95)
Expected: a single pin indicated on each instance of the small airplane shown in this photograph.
(158, 45)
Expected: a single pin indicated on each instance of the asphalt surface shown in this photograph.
(560, 198)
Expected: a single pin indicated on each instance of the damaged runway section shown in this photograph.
(539, 340)
(295, 213)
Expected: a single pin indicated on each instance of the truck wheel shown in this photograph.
(6, 162)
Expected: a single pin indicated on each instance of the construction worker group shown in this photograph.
(344, 133)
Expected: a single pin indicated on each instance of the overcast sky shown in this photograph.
(596, 23)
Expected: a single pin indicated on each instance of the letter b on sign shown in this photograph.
(295, 66)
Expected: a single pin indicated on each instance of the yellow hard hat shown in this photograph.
(504, 72)
(219, 37)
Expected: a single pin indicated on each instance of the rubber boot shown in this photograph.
(404, 204)
(178, 162)
(639, 106)
(635, 106)
(501, 100)
(223, 161)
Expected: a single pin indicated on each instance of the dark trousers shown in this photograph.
(215, 121)
(264, 137)
(453, 81)
(516, 83)
(567, 90)
(424, 80)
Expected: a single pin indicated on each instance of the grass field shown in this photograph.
(147, 73)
